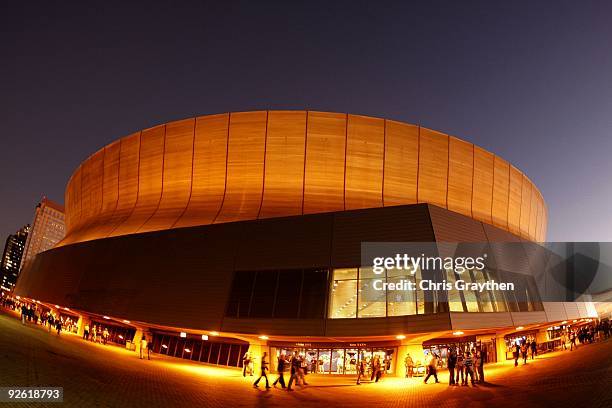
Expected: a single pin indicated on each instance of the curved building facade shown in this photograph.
(244, 230)
(257, 165)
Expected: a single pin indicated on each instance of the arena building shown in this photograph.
(242, 231)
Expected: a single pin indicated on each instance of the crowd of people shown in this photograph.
(37, 315)
(97, 334)
(463, 366)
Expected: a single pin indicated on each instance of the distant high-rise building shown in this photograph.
(48, 229)
(11, 258)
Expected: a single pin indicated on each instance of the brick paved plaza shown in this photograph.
(107, 376)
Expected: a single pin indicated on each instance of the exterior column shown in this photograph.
(83, 320)
(257, 349)
(416, 352)
(136, 340)
(500, 345)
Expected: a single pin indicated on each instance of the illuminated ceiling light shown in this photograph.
(458, 333)
(57, 306)
(66, 308)
(18, 297)
(214, 333)
(183, 334)
(520, 328)
(400, 337)
(106, 317)
(187, 350)
(121, 337)
(164, 346)
(564, 322)
(126, 321)
(204, 337)
(262, 337)
(574, 321)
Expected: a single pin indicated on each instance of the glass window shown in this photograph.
(455, 302)
(314, 291)
(372, 302)
(263, 294)
(288, 294)
(343, 291)
(240, 294)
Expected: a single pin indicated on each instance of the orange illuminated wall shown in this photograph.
(263, 164)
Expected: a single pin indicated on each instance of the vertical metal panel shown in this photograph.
(91, 190)
(514, 201)
(364, 162)
(209, 160)
(525, 207)
(76, 199)
(401, 163)
(325, 162)
(433, 167)
(128, 179)
(150, 169)
(245, 166)
(483, 185)
(110, 193)
(68, 206)
(540, 217)
(176, 186)
(86, 187)
(533, 212)
(460, 173)
(284, 164)
(501, 186)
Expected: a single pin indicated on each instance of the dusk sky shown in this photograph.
(529, 81)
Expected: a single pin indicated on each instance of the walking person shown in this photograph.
(23, 314)
(143, 345)
(246, 361)
(149, 349)
(482, 357)
(460, 369)
(573, 341)
(477, 363)
(264, 368)
(469, 368)
(451, 364)
(534, 349)
(85, 332)
(524, 352)
(375, 369)
(516, 354)
(360, 371)
(409, 363)
(432, 367)
(280, 368)
(105, 336)
(296, 364)
(58, 326)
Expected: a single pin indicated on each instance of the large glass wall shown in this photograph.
(287, 293)
(222, 352)
(352, 293)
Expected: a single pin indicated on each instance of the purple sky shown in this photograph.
(530, 81)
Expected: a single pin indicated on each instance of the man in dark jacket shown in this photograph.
(264, 368)
(281, 371)
(451, 363)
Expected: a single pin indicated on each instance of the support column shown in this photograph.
(83, 320)
(136, 340)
